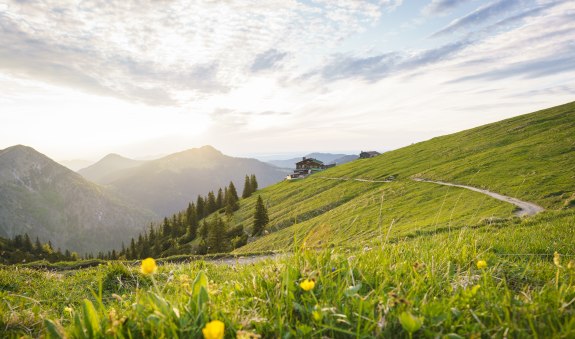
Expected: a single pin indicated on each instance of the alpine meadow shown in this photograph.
(375, 249)
(287, 169)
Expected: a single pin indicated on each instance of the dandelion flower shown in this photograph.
(214, 330)
(307, 285)
(149, 266)
(481, 264)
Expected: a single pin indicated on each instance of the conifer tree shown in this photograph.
(247, 188)
(200, 207)
(17, 242)
(211, 206)
(38, 246)
(192, 217)
(152, 233)
(260, 217)
(254, 183)
(166, 229)
(27, 245)
(175, 225)
(133, 251)
(220, 199)
(232, 201)
(204, 230)
(217, 236)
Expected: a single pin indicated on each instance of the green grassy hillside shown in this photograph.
(530, 157)
(409, 259)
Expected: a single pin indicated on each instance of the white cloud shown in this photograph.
(157, 52)
(154, 77)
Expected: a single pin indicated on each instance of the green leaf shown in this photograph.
(200, 281)
(53, 330)
(200, 291)
(409, 322)
(91, 319)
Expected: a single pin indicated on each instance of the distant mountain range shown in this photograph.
(326, 158)
(75, 164)
(47, 200)
(114, 199)
(168, 184)
(109, 168)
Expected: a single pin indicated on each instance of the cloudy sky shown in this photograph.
(80, 79)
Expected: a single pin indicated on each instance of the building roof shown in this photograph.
(310, 159)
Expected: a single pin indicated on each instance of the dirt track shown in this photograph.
(525, 208)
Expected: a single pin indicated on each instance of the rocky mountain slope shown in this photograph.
(47, 200)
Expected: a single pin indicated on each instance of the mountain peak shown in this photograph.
(113, 157)
(21, 156)
(209, 148)
(204, 151)
(19, 148)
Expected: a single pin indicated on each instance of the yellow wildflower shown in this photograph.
(307, 285)
(571, 264)
(481, 264)
(557, 259)
(149, 266)
(214, 330)
(68, 309)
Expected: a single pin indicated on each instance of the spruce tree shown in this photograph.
(192, 217)
(220, 199)
(211, 205)
(204, 230)
(27, 245)
(260, 217)
(38, 246)
(254, 183)
(217, 236)
(247, 188)
(232, 201)
(166, 229)
(200, 207)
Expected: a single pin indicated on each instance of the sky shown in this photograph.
(81, 79)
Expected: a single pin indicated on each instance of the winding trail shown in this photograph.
(525, 208)
(352, 179)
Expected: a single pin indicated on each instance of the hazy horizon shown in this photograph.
(79, 81)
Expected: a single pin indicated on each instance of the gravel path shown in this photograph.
(525, 208)
(352, 179)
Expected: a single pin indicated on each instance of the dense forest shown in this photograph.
(21, 249)
(191, 231)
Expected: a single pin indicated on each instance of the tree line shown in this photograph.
(21, 249)
(191, 231)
